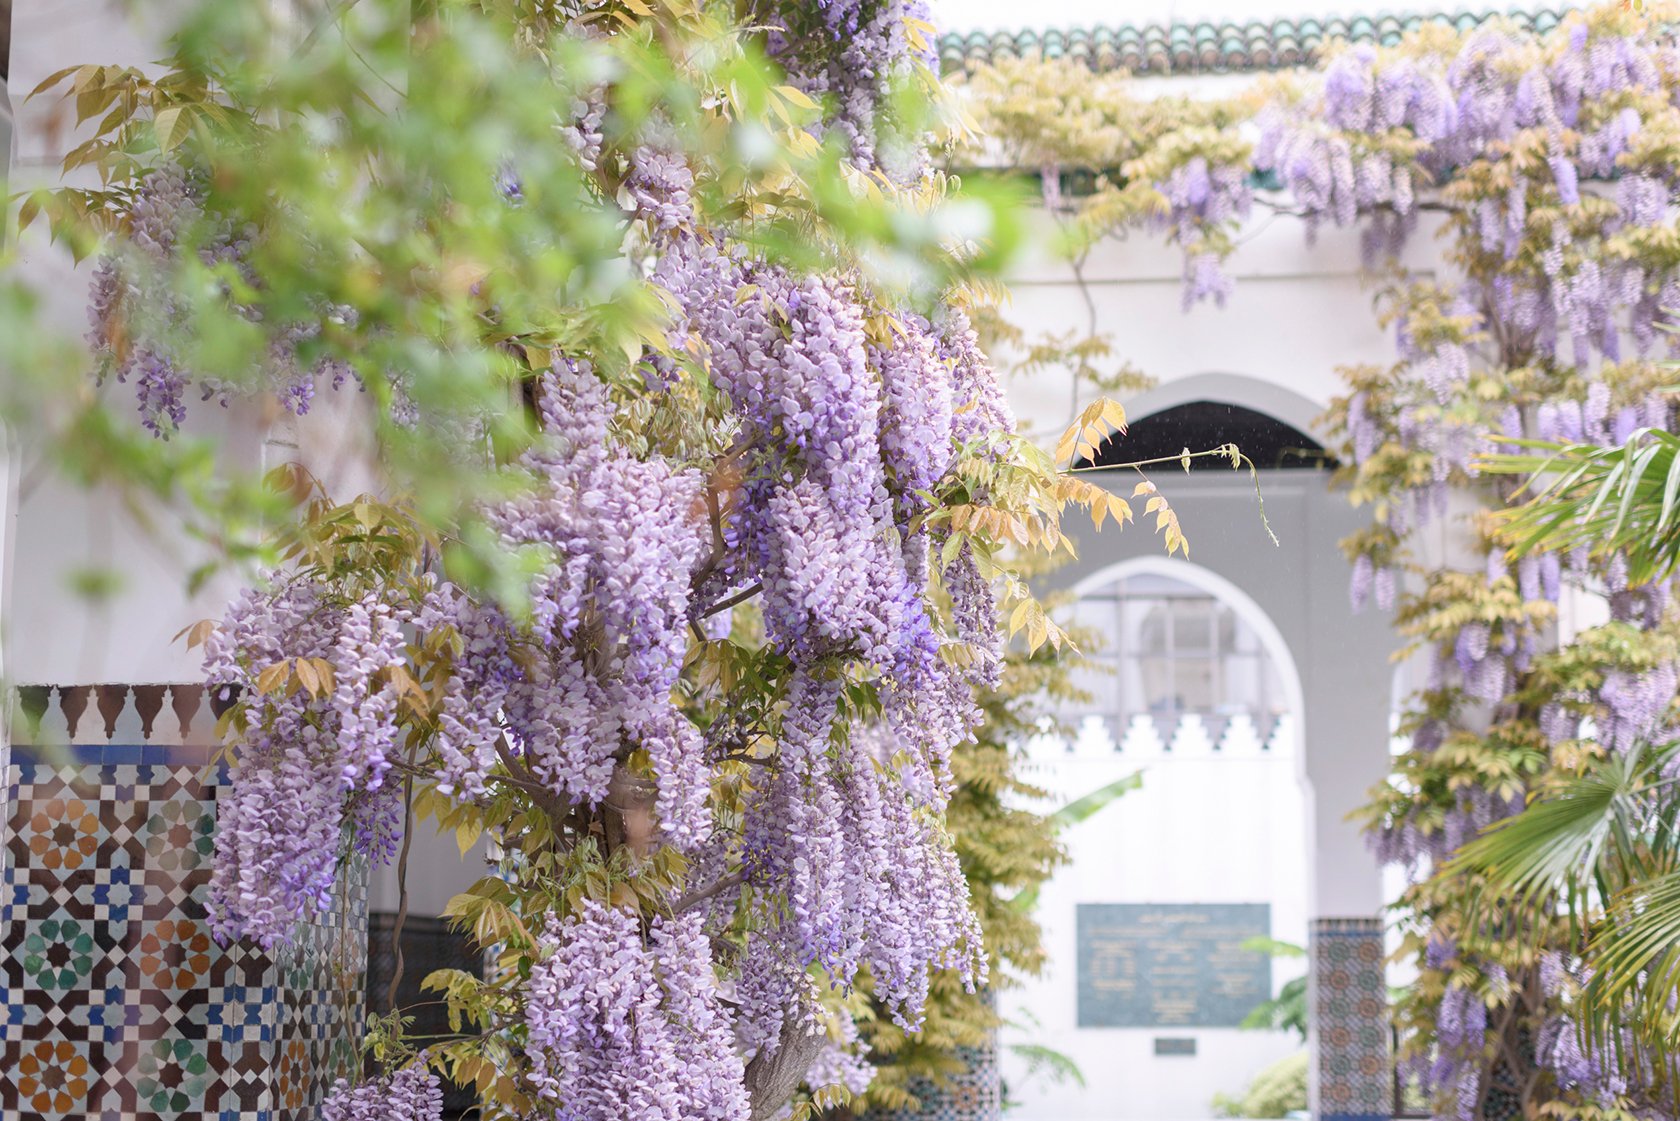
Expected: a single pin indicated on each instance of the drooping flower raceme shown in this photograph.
(307, 763)
(411, 1094)
(853, 54)
(619, 1026)
(850, 868)
(138, 325)
(609, 613)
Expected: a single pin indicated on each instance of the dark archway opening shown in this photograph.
(1202, 425)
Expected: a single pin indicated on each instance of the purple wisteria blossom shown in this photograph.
(621, 1026)
(411, 1094)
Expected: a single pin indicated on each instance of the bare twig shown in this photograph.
(402, 892)
(741, 596)
(716, 887)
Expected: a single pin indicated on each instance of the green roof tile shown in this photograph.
(1203, 47)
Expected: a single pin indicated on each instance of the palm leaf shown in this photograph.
(1622, 499)
(1636, 969)
(1608, 838)
(1083, 809)
(1047, 1060)
(1273, 947)
(1287, 1011)
(1554, 846)
(1076, 811)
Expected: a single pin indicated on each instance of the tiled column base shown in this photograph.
(1351, 1072)
(117, 1003)
(973, 1095)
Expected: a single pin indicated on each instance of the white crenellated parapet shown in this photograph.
(1191, 737)
(1282, 739)
(1241, 737)
(1093, 739)
(1142, 739)
(1046, 747)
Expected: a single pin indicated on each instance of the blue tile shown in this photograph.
(50, 756)
(117, 755)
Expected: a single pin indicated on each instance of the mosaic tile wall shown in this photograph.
(118, 1006)
(974, 1095)
(1352, 1075)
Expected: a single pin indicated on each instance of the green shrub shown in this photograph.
(1275, 1092)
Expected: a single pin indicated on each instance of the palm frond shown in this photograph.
(1636, 970)
(1082, 809)
(1047, 1061)
(1602, 852)
(1623, 499)
(1273, 947)
(1554, 847)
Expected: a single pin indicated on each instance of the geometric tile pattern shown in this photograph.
(1352, 1071)
(974, 1094)
(118, 1004)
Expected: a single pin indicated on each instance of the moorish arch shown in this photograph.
(1278, 401)
(1271, 424)
(1334, 664)
(1228, 593)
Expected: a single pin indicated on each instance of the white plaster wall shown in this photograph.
(1298, 311)
(1203, 828)
(61, 531)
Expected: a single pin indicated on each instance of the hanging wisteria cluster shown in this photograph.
(411, 1094)
(310, 766)
(625, 1025)
(1201, 197)
(1546, 163)
(857, 55)
(734, 600)
(1542, 153)
(1180, 166)
(136, 335)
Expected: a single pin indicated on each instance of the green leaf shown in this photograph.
(1273, 947)
(172, 125)
(1083, 809)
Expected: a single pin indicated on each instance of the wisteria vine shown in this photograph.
(1546, 164)
(744, 593)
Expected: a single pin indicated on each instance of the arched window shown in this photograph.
(1161, 647)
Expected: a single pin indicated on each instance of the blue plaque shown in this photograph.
(1148, 965)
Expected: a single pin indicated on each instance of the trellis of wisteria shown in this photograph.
(1546, 165)
(708, 714)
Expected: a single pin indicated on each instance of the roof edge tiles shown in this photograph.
(1210, 47)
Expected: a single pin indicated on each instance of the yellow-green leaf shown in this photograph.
(306, 674)
(172, 125)
(798, 97)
